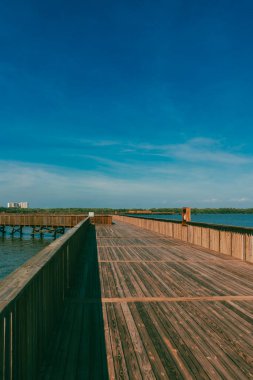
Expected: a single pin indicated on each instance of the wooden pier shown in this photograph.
(42, 224)
(140, 306)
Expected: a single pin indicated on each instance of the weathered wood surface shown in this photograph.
(9, 219)
(229, 240)
(31, 303)
(77, 349)
(101, 219)
(170, 311)
(173, 311)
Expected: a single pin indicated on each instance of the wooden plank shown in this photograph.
(115, 346)
(139, 348)
(249, 248)
(109, 349)
(208, 278)
(156, 363)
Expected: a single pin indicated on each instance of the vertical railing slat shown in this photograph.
(28, 318)
(229, 240)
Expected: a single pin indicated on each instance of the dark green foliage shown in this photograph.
(112, 211)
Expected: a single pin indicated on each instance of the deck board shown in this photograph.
(183, 311)
(149, 307)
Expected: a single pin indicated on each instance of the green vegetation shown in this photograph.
(112, 211)
(222, 211)
(57, 210)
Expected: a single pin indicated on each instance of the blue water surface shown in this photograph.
(16, 250)
(240, 220)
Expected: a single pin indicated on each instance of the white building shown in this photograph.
(12, 205)
(18, 205)
(23, 204)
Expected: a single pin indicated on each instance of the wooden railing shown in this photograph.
(101, 219)
(9, 219)
(229, 240)
(31, 302)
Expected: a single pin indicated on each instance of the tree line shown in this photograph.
(77, 210)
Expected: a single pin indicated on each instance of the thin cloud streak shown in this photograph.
(193, 150)
(198, 149)
(51, 186)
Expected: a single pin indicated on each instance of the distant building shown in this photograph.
(23, 204)
(12, 205)
(18, 205)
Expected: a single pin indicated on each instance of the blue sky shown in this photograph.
(126, 103)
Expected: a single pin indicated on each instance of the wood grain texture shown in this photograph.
(146, 306)
(230, 240)
(31, 302)
(11, 219)
(172, 310)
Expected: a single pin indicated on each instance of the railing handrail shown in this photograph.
(222, 227)
(41, 214)
(55, 220)
(233, 241)
(48, 214)
(29, 266)
(32, 300)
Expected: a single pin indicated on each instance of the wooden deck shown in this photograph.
(149, 307)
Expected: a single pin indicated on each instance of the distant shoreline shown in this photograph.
(152, 211)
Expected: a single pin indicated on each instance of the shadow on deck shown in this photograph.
(169, 310)
(77, 349)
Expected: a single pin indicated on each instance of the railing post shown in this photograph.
(186, 215)
(244, 247)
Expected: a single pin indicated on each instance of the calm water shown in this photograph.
(14, 251)
(242, 220)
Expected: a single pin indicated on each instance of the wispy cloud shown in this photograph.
(199, 150)
(99, 143)
(53, 186)
(207, 151)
